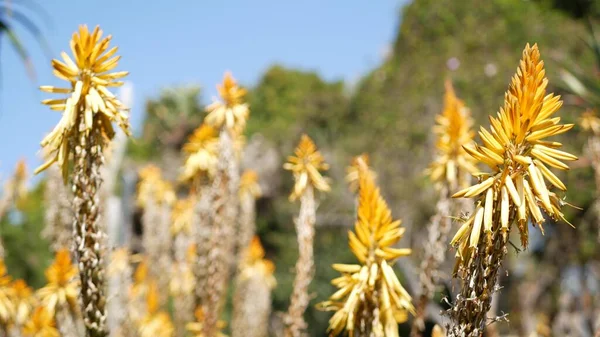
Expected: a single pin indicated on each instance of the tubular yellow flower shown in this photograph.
(231, 113)
(23, 301)
(370, 299)
(89, 101)
(255, 262)
(352, 172)
(7, 294)
(515, 149)
(202, 153)
(182, 216)
(41, 324)
(305, 166)
(453, 130)
(249, 184)
(62, 287)
(590, 122)
(151, 185)
(156, 323)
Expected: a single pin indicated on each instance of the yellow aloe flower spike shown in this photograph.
(519, 185)
(62, 288)
(90, 74)
(7, 294)
(352, 171)
(231, 113)
(305, 165)
(255, 262)
(152, 185)
(249, 184)
(370, 288)
(201, 152)
(453, 129)
(516, 191)
(182, 215)
(156, 323)
(590, 122)
(196, 328)
(41, 324)
(24, 301)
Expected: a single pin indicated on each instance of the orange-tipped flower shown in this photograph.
(62, 288)
(231, 112)
(305, 166)
(201, 151)
(41, 324)
(89, 74)
(518, 188)
(453, 130)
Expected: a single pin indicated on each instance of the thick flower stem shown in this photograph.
(304, 266)
(222, 243)
(479, 283)
(86, 180)
(434, 256)
(202, 234)
(247, 224)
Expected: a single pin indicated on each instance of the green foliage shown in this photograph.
(27, 253)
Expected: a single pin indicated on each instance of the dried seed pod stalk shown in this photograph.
(370, 300)
(15, 192)
(200, 166)
(249, 191)
(59, 296)
(450, 170)
(182, 279)
(119, 274)
(229, 117)
(78, 141)
(252, 298)
(513, 193)
(58, 214)
(156, 197)
(305, 166)
(41, 324)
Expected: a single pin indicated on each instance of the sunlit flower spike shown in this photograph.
(453, 129)
(371, 287)
(516, 149)
(305, 165)
(201, 153)
(90, 74)
(231, 112)
(41, 324)
(352, 171)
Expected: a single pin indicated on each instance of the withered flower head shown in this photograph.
(305, 165)
(453, 130)
(519, 157)
(89, 100)
(249, 184)
(23, 301)
(41, 324)
(352, 171)
(372, 284)
(152, 185)
(202, 152)
(183, 215)
(62, 288)
(231, 112)
(590, 122)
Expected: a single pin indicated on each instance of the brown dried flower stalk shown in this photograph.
(156, 197)
(200, 166)
(78, 141)
(182, 278)
(370, 300)
(229, 117)
(249, 191)
(119, 274)
(514, 193)
(252, 298)
(58, 214)
(450, 170)
(305, 166)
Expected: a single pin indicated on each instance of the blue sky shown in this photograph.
(166, 43)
